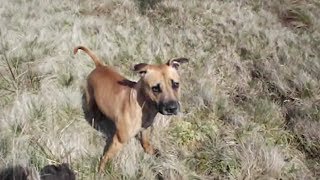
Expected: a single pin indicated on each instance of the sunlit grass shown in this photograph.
(250, 94)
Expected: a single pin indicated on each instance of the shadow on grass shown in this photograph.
(144, 5)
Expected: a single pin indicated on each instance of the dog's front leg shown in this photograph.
(145, 141)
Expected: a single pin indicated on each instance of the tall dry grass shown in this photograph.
(251, 104)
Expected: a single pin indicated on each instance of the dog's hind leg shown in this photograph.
(110, 150)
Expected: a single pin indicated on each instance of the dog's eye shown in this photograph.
(156, 88)
(175, 85)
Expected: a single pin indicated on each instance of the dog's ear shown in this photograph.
(175, 62)
(141, 68)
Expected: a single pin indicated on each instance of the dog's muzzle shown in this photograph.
(169, 108)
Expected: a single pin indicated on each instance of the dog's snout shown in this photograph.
(169, 108)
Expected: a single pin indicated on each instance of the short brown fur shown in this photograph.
(132, 106)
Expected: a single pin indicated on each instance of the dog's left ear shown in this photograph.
(175, 62)
(141, 68)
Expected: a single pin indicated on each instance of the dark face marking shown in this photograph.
(156, 89)
(175, 85)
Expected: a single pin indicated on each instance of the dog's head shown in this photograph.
(161, 84)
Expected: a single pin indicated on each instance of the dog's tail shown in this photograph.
(95, 59)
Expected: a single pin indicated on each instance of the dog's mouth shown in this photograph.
(169, 108)
(167, 113)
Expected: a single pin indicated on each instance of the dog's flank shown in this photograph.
(132, 106)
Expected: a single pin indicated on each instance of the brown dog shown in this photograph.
(132, 106)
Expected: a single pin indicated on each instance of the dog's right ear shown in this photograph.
(141, 68)
(175, 62)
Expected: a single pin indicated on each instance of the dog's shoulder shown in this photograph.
(128, 83)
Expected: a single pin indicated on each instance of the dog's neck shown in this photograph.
(148, 107)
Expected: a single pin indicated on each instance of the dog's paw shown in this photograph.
(101, 168)
(152, 151)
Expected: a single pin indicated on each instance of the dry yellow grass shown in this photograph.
(251, 93)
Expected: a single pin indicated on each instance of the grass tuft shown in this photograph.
(250, 94)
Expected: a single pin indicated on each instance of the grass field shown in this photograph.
(250, 95)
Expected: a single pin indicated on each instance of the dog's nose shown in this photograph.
(170, 108)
